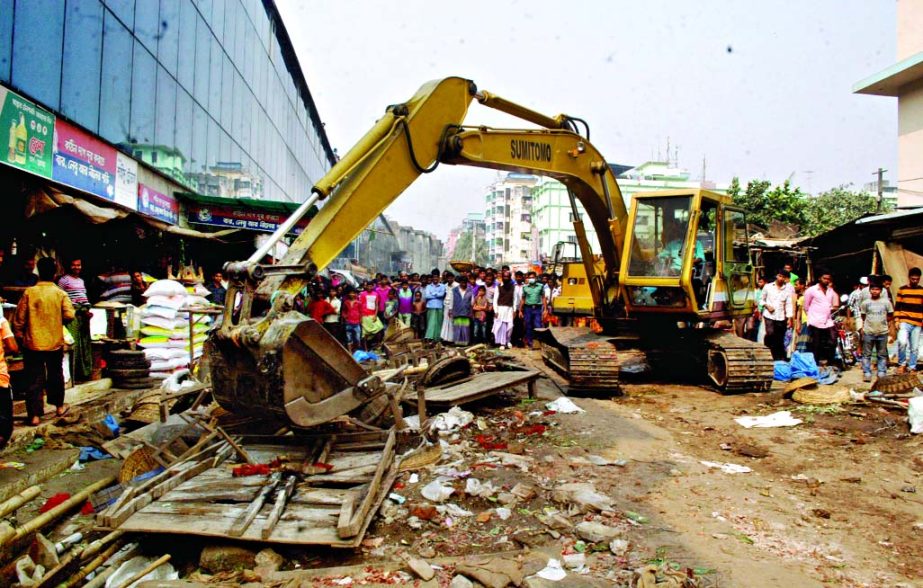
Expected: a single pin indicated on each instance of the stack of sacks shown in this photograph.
(117, 286)
(165, 330)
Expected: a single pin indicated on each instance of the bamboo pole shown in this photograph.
(147, 570)
(94, 546)
(18, 500)
(58, 511)
(92, 565)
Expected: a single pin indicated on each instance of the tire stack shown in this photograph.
(130, 370)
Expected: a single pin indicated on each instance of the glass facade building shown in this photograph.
(208, 92)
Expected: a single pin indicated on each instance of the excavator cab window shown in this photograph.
(660, 229)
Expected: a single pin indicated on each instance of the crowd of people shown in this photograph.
(796, 316)
(483, 305)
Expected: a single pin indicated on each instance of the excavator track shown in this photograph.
(735, 364)
(589, 361)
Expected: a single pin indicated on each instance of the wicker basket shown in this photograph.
(822, 395)
(140, 461)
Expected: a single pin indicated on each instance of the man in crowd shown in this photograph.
(531, 308)
(908, 312)
(877, 314)
(434, 294)
(819, 303)
(6, 393)
(26, 276)
(503, 303)
(777, 301)
(516, 338)
(82, 352)
(39, 322)
(217, 289)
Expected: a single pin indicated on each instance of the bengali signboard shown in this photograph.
(29, 132)
(126, 181)
(230, 218)
(84, 162)
(157, 205)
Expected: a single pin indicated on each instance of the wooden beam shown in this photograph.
(282, 498)
(241, 526)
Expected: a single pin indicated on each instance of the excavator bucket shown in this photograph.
(297, 372)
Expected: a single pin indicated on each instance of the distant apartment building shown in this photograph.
(508, 220)
(388, 247)
(553, 216)
(473, 223)
(904, 80)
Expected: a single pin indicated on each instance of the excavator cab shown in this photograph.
(687, 257)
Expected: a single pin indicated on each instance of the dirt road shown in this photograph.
(831, 501)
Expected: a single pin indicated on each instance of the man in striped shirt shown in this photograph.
(908, 313)
(75, 288)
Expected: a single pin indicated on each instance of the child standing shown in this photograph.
(479, 329)
(418, 318)
(391, 306)
(352, 315)
(877, 315)
(405, 302)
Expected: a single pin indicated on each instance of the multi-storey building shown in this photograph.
(508, 220)
(185, 87)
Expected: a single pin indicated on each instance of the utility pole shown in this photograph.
(881, 187)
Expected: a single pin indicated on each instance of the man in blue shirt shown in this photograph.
(434, 294)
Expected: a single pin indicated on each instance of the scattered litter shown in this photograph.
(552, 571)
(93, 454)
(597, 532)
(454, 510)
(414, 478)
(412, 422)
(564, 405)
(782, 418)
(636, 517)
(510, 459)
(475, 487)
(598, 460)
(503, 513)
(727, 468)
(360, 356)
(17, 465)
(454, 419)
(435, 491)
(137, 564)
(618, 546)
(575, 561)
(582, 494)
(393, 496)
(915, 414)
(36, 444)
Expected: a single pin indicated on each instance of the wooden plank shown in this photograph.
(239, 527)
(353, 476)
(325, 496)
(479, 386)
(287, 531)
(358, 518)
(347, 508)
(342, 462)
(281, 499)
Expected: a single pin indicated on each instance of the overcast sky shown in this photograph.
(759, 89)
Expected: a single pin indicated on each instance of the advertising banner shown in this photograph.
(126, 181)
(29, 133)
(229, 218)
(157, 205)
(84, 162)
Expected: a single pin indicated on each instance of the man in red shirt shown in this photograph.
(319, 308)
(352, 315)
(6, 394)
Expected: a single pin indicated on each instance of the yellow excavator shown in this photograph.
(670, 270)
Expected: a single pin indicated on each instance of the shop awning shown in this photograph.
(47, 198)
(241, 203)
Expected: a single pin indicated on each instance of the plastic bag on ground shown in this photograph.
(782, 418)
(564, 405)
(453, 420)
(435, 491)
(782, 371)
(804, 365)
(915, 414)
(131, 567)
